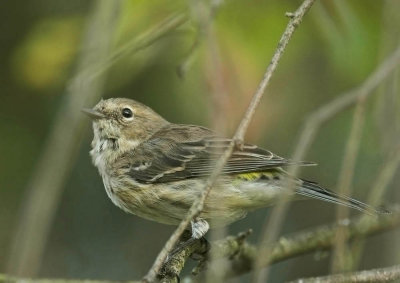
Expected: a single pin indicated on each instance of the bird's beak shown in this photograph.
(93, 113)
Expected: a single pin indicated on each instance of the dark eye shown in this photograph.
(127, 113)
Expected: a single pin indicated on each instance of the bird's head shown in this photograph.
(124, 120)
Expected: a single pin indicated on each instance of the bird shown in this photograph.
(156, 169)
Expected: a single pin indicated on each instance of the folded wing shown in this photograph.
(191, 152)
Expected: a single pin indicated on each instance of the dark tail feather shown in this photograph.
(311, 189)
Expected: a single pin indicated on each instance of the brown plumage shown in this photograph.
(156, 169)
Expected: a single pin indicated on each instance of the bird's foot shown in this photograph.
(199, 228)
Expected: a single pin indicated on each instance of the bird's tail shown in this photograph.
(313, 190)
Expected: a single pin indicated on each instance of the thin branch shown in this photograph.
(174, 266)
(198, 205)
(224, 250)
(341, 255)
(262, 275)
(383, 179)
(387, 274)
(11, 279)
(219, 105)
(45, 187)
(310, 128)
(142, 41)
(203, 14)
(294, 22)
(316, 239)
(243, 255)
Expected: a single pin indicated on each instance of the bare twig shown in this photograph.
(287, 34)
(142, 41)
(11, 279)
(341, 254)
(220, 255)
(296, 17)
(387, 274)
(203, 14)
(45, 187)
(219, 105)
(383, 179)
(310, 128)
(197, 206)
(175, 264)
(315, 239)
(242, 255)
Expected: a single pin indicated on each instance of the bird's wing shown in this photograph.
(184, 154)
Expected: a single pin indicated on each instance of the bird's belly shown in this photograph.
(169, 203)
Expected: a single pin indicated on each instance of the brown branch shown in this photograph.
(142, 41)
(203, 15)
(197, 206)
(11, 279)
(219, 105)
(174, 266)
(387, 274)
(308, 133)
(242, 255)
(321, 238)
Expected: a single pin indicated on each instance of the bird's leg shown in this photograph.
(199, 229)
(202, 254)
(186, 235)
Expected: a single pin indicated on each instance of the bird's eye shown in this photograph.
(127, 113)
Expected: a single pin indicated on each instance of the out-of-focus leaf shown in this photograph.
(351, 37)
(42, 59)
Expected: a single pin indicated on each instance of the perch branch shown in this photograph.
(11, 279)
(320, 238)
(387, 274)
(243, 255)
(238, 138)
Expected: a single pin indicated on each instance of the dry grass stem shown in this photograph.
(383, 179)
(140, 42)
(341, 255)
(45, 187)
(219, 103)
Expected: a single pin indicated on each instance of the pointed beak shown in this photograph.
(93, 113)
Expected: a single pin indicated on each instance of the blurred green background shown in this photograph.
(336, 47)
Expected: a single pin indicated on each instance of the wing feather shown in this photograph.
(167, 157)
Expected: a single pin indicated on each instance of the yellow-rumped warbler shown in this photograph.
(156, 169)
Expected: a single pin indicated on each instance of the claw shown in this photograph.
(199, 228)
